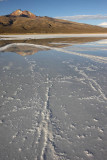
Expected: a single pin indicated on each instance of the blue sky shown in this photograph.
(84, 11)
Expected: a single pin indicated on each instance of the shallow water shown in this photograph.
(53, 104)
(98, 48)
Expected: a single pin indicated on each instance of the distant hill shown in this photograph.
(26, 22)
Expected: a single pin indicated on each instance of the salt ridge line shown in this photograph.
(91, 82)
(21, 44)
(48, 136)
(47, 36)
(44, 129)
(95, 58)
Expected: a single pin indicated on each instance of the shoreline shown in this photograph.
(47, 36)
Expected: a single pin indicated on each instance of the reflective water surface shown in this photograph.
(53, 99)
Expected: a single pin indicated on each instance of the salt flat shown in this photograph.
(53, 104)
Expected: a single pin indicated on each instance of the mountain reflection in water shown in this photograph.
(94, 49)
(32, 46)
(21, 49)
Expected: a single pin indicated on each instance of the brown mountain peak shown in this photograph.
(20, 13)
(28, 14)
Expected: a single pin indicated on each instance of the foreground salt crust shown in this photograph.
(46, 36)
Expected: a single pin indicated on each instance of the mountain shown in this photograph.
(26, 22)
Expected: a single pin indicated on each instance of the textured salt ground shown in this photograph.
(52, 106)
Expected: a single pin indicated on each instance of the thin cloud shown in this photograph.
(104, 24)
(84, 17)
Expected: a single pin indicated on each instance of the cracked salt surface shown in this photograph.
(53, 105)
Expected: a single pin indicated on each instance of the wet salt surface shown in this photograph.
(98, 48)
(53, 105)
